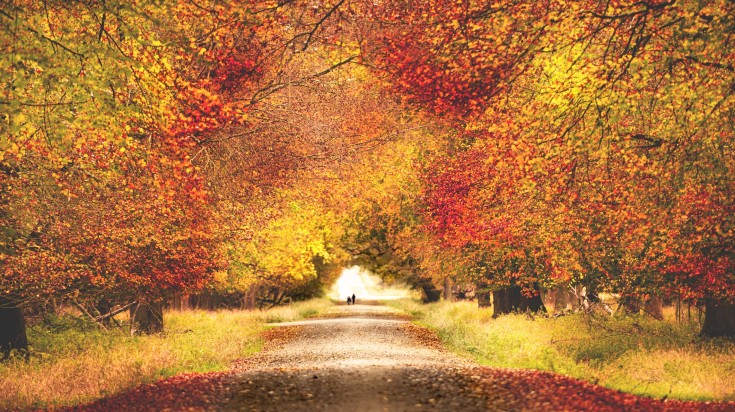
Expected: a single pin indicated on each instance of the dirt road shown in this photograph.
(371, 358)
(358, 358)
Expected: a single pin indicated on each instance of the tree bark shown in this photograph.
(175, 303)
(448, 296)
(483, 298)
(561, 298)
(147, 317)
(719, 319)
(482, 293)
(510, 299)
(185, 302)
(205, 301)
(431, 294)
(654, 307)
(104, 307)
(248, 300)
(12, 328)
(533, 303)
(504, 299)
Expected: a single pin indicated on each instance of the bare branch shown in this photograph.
(318, 24)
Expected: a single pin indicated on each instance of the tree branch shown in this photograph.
(269, 90)
(318, 24)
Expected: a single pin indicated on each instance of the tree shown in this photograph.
(616, 111)
(100, 196)
(12, 328)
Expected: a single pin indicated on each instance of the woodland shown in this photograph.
(240, 154)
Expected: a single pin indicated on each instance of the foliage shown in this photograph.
(143, 142)
(594, 139)
(155, 148)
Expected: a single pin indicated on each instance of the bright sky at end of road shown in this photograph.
(364, 285)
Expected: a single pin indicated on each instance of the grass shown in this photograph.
(636, 355)
(74, 361)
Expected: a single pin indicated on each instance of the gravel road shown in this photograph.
(357, 358)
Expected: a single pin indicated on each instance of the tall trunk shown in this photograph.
(185, 302)
(12, 328)
(147, 317)
(205, 301)
(180, 302)
(561, 298)
(448, 296)
(175, 303)
(506, 300)
(654, 307)
(248, 300)
(719, 319)
(510, 299)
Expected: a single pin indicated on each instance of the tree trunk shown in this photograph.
(534, 303)
(175, 303)
(561, 298)
(504, 299)
(248, 300)
(448, 296)
(482, 293)
(205, 301)
(147, 317)
(12, 328)
(431, 294)
(103, 308)
(483, 298)
(510, 299)
(185, 299)
(655, 308)
(719, 319)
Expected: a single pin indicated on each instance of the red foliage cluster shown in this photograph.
(460, 202)
(454, 58)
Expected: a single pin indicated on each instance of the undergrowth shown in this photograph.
(635, 354)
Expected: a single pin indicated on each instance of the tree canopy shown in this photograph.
(152, 148)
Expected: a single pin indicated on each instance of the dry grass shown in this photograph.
(636, 355)
(74, 362)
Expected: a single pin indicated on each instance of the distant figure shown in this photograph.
(353, 298)
(349, 300)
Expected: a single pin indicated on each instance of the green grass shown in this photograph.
(636, 355)
(74, 361)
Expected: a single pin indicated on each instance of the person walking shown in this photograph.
(353, 298)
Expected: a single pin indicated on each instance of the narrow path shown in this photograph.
(371, 358)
